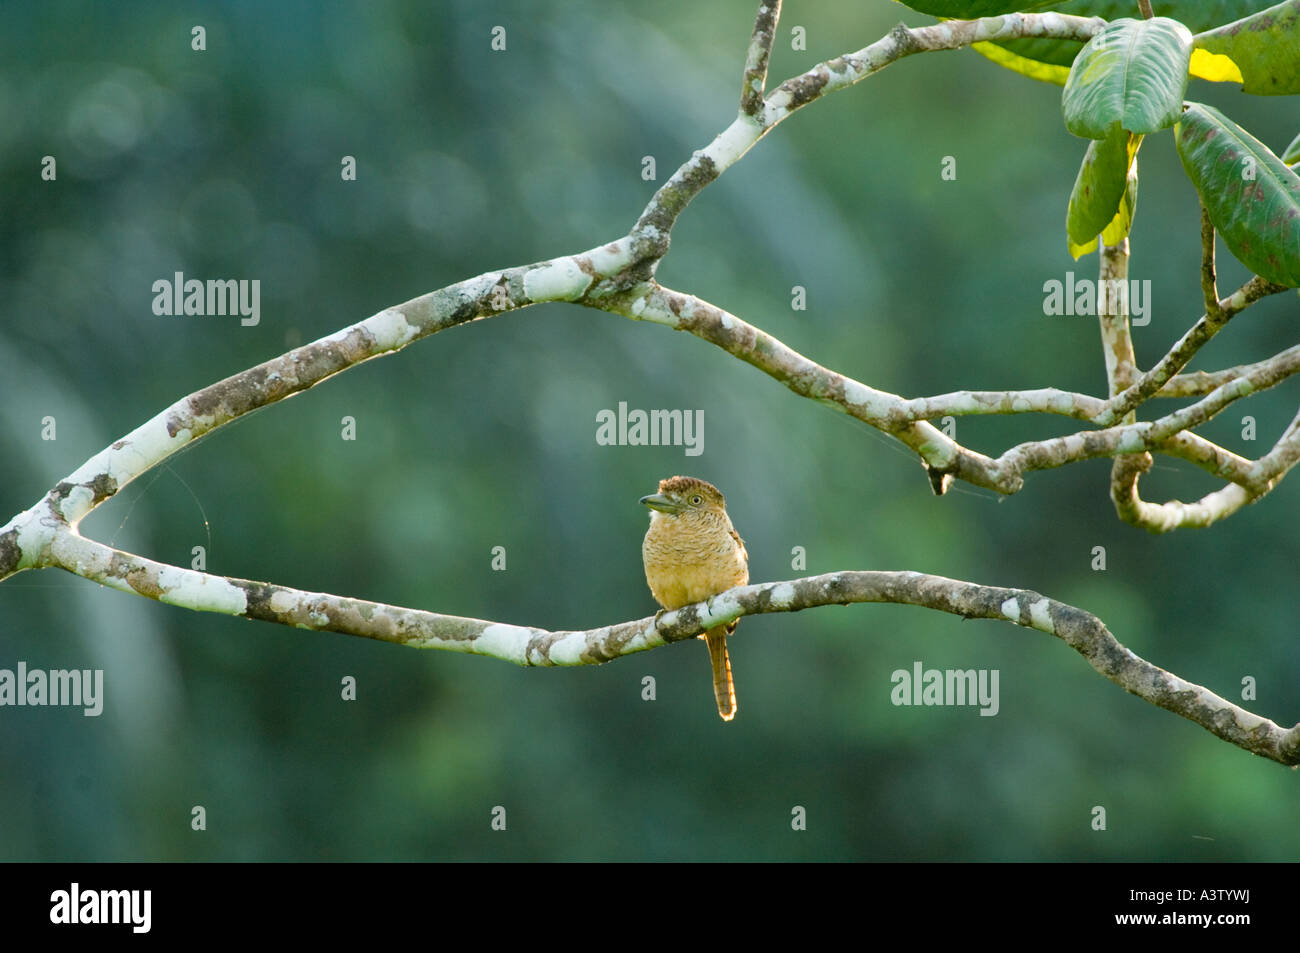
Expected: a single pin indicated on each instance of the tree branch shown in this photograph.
(1200, 383)
(1249, 484)
(885, 411)
(1210, 456)
(530, 646)
(1112, 316)
(588, 276)
(1043, 400)
(892, 413)
(1185, 349)
(619, 277)
(706, 164)
(615, 277)
(760, 50)
(1209, 284)
(1120, 360)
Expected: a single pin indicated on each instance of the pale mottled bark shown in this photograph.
(530, 646)
(619, 277)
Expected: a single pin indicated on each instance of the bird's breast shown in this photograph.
(686, 564)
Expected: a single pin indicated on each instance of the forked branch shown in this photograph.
(619, 277)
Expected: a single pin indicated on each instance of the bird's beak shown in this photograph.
(661, 503)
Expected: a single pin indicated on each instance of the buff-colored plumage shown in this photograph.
(691, 552)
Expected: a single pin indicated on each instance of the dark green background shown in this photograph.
(226, 164)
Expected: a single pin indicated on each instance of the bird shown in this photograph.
(691, 552)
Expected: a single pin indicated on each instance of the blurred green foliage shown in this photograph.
(226, 164)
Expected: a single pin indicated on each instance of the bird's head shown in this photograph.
(686, 496)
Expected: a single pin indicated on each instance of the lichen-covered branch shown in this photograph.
(1112, 317)
(894, 414)
(706, 164)
(1210, 456)
(528, 645)
(619, 277)
(760, 51)
(1200, 383)
(1209, 282)
(1120, 361)
(1250, 481)
(1185, 349)
(588, 275)
(1042, 400)
(651, 301)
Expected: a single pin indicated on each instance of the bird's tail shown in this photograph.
(724, 689)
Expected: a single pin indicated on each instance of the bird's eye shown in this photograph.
(696, 500)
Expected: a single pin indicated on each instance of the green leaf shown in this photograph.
(1252, 198)
(1133, 73)
(1098, 202)
(1119, 226)
(970, 9)
(1050, 59)
(1263, 49)
(1292, 154)
(1028, 57)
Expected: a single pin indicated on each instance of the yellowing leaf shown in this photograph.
(1215, 67)
(1265, 48)
(1034, 69)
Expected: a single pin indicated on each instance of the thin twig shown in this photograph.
(760, 51)
(1209, 286)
